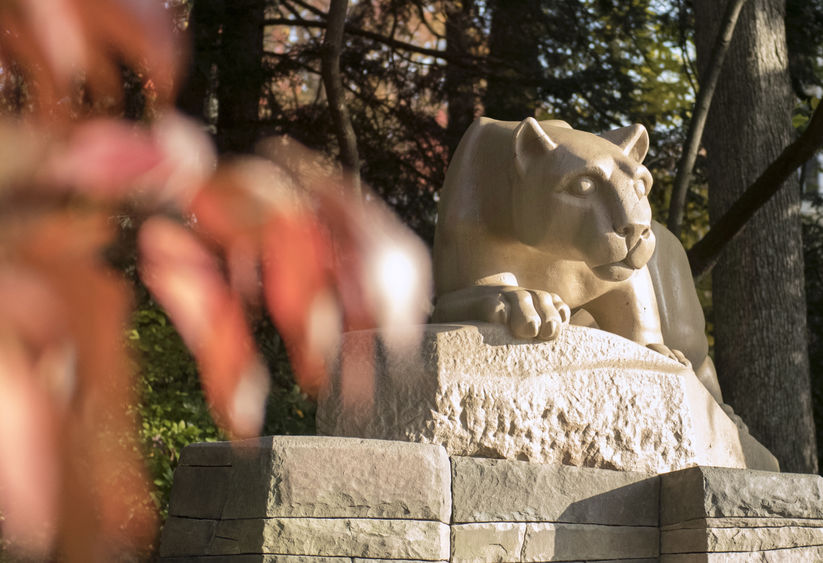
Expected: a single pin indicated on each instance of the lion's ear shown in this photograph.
(529, 141)
(633, 140)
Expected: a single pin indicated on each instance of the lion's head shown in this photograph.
(579, 196)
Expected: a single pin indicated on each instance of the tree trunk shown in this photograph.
(335, 92)
(461, 83)
(757, 287)
(708, 82)
(240, 75)
(204, 28)
(514, 47)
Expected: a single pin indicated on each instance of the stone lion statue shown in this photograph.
(540, 224)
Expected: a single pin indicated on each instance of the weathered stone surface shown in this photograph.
(588, 398)
(332, 537)
(490, 541)
(315, 476)
(373, 538)
(703, 523)
(199, 491)
(490, 490)
(361, 560)
(208, 454)
(186, 536)
(740, 539)
(567, 542)
(715, 492)
(531, 542)
(795, 555)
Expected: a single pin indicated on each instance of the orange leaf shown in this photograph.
(186, 281)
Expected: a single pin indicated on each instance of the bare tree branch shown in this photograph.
(333, 82)
(704, 254)
(701, 112)
(388, 41)
(314, 10)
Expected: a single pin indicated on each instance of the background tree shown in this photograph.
(464, 37)
(514, 50)
(758, 292)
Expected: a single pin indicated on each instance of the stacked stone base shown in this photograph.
(719, 515)
(320, 499)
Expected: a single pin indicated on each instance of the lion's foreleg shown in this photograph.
(528, 313)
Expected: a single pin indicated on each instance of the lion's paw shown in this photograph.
(531, 313)
(675, 355)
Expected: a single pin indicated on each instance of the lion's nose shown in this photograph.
(633, 232)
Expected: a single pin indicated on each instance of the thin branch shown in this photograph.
(333, 82)
(388, 41)
(701, 112)
(309, 7)
(688, 67)
(704, 254)
(421, 13)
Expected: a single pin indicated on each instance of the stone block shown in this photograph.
(588, 398)
(325, 477)
(585, 542)
(491, 490)
(361, 560)
(794, 555)
(715, 492)
(314, 476)
(703, 523)
(186, 536)
(713, 539)
(490, 541)
(334, 537)
(209, 454)
(199, 491)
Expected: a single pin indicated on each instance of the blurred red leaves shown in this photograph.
(57, 43)
(185, 278)
(65, 373)
(215, 241)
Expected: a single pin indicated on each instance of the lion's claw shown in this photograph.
(670, 353)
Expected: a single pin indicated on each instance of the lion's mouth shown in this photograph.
(635, 259)
(616, 271)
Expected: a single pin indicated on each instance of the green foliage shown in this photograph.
(172, 409)
(171, 406)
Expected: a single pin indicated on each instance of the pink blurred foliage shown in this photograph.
(215, 241)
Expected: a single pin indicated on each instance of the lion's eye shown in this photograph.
(640, 188)
(583, 186)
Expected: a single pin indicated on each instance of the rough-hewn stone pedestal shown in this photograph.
(588, 399)
(345, 500)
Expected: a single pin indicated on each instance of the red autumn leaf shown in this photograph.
(114, 160)
(102, 475)
(231, 217)
(59, 41)
(102, 157)
(297, 262)
(186, 281)
(29, 468)
(64, 316)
